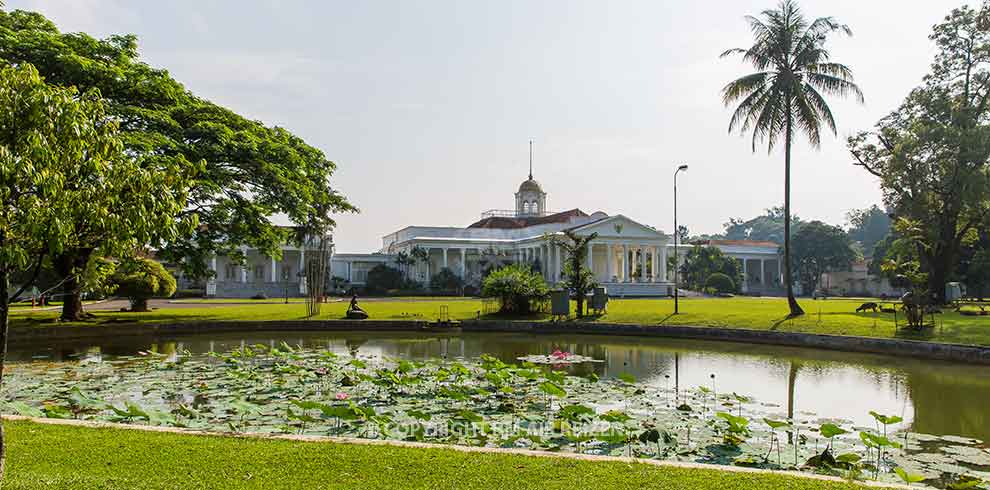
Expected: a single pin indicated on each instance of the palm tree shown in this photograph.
(793, 73)
(578, 278)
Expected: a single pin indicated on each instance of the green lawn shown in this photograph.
(833, 316)
(63, 457)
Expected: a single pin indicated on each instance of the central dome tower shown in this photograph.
(530, 199)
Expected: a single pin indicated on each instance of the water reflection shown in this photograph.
(933, 397)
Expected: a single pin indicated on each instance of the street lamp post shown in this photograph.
(677, 261)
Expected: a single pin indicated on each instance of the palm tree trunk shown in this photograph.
(791, 302)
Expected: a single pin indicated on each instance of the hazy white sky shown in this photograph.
(427, 107)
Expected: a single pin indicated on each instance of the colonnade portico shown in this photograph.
(621, 259)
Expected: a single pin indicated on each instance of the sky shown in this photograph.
(428, 107)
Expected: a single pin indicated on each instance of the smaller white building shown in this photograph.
(261, 274)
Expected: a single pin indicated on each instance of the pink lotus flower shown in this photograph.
(343, 396)
(558, 354)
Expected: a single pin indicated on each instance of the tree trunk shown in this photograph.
(4, 313)
(69, 267)
(791, 302)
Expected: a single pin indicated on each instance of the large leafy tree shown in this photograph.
(820, 248)
(787, 92)
(61, 160)
(931, 153)
(245, 172)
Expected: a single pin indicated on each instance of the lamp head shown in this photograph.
(683, 167)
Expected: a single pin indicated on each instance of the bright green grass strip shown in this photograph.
(63, 457)
(833, 316)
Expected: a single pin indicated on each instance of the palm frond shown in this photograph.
(744, 86)
(793, 74)
(807, 119)
(834, 85)
(749, 110)
(821, 107)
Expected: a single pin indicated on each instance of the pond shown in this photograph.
(703, 401)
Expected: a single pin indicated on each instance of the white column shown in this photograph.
(654, 264)
(642, 263)
(763, 273)
(274, 274)
(744, 288)
(445, 257)
(625, 262)
(663, 262)
(609, 257)
(244, 267)
(463, 262)
(302, 271)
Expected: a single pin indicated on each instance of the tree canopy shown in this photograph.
(61, 161)
(931, 153)
(240, 173)
(820, 248)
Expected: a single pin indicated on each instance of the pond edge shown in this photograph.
(451, 447)
(885, 346)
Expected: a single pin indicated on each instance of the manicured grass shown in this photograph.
(833, 316)
(63, 457)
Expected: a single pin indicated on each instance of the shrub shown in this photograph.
(141, 279)
(382, 278)
(97, 278)
(446, 280)
(720, 283)
(189, 293)
(517, 287)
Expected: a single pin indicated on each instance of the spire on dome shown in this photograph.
(530, 159)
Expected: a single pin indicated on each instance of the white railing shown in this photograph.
(512, 213)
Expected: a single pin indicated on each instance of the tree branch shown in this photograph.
(865, 166)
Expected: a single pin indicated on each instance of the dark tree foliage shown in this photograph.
(383, 278)
(868, 227)
(820, 248)
(447, 281)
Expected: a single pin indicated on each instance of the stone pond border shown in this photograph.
(898, 347)
(465, 449)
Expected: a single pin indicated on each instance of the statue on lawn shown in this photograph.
(354, 312)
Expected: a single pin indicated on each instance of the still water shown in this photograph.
(933, 397)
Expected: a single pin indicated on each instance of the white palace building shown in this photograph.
(627, 257)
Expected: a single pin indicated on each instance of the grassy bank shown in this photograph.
(833, 316)
(63, 457)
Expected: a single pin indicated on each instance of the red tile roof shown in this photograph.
(525, 221)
